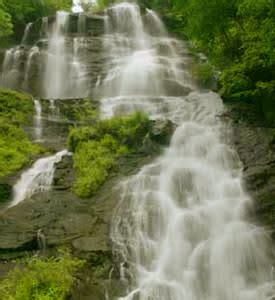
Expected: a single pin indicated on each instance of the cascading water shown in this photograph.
(36, 179)
(26, 34)
(180, 228)
(63, 62)
(33, 53)
(56, 65)
(38, 129)
(12, 66)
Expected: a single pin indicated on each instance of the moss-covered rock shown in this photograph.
(98, 148)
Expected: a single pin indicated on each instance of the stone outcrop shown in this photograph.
(255, 144)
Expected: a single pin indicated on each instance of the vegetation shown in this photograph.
(84, 111)
(15, 107)
(15, 14)
(97, 149)
(238, 36)
(41, 278)
(15, 148)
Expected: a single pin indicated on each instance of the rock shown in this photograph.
(256, 149)
(175, 89)
(159, 135)
(90, 244)
(162, 131)
(64, 174)
(5, 192)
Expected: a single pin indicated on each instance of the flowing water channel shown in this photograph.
(180, 229)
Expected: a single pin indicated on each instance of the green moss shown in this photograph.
(15, 107)
(81, 111)
(41, 278)
(97, 148)
(16, 149)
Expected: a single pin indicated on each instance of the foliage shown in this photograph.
(238, 36)
(16, 149)
(15, 14)
(204, 72)
(97, 148)
(5, 22)
(15, 107)
(41, 278)
(84, 111)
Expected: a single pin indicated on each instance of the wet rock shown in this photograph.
(175, 89)
(90, 244)
(5, 192)
(64, 175)
(256, 149)
(158, 136)
(162, 131)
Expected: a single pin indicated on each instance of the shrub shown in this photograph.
(15, 148)
(41, 278)
(15, 107)
(97, 148)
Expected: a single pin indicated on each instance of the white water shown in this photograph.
(180, 228)
(26, 33)
(44, 27)
(36, 179)
(38, 125)
(56, 65)
(64, 72)
(11, 67)
(33, 52)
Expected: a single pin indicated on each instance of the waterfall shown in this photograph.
(44, 27)
(81, 24)
(12, 67)
(26, 34)
(38, 129)
(180, 229)
(56, 66)
(64, 72)
(33, 52)
(155, 24)
(36, 179)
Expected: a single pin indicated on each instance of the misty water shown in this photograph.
(180, 229)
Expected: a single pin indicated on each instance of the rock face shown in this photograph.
(255, 145)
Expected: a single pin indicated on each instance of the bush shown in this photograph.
(84, 111)
(41, 278)
(97, 149)
(15, 148)
(15, 107)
